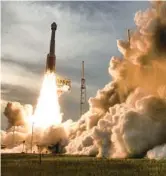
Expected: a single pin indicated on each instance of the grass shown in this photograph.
(51, 165)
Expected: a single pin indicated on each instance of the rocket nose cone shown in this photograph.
(53, 26)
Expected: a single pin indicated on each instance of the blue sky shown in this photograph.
(86, 31)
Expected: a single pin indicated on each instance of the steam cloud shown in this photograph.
(17, 113)
(127, 118)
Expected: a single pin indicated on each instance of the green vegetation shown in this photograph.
(51, 165)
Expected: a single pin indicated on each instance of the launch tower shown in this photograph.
(83, 90)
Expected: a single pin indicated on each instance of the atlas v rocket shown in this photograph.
(51, 58)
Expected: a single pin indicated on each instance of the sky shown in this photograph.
(86, 31)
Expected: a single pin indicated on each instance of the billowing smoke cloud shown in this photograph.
(19, 136)
(17, 113)
(126, 130)
(158, 152)
(127, 118)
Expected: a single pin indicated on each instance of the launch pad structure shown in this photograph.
(128, 34)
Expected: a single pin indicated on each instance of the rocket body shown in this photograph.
(51, 57)
(50, 65)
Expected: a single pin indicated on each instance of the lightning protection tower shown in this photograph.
(128, 32)
(83, 90)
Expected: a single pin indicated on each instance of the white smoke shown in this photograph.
(17, 114)
(158, 152)
(125, 131)
(127, 118)
(14, 137)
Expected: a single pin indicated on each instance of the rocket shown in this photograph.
(51, 61)
(51, 58)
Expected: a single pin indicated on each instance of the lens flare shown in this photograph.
(47, 111)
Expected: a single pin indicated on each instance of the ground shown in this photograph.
(52, 165)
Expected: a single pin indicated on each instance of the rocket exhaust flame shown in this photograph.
(47, 111)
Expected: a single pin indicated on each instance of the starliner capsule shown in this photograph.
(51, 57)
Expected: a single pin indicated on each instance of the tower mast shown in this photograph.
(83, 90)
(128, 33)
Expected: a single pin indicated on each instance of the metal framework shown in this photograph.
(128, 32)
(83, 90)
(13, 140)
(32, 137)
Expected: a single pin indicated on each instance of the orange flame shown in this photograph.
(47, 111)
